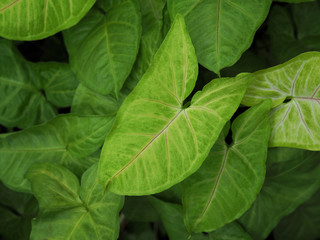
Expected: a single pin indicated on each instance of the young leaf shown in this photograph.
(104, 46)
(37, 19)
(292, 178)
(28, 91)
(156, 142)
(229, 180)
(221, 30)
(294, 123)
(95, 216)
(88, 102)
(303, 223)
(66, 140)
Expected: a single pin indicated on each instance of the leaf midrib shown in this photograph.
(9, 5)
(145, 147)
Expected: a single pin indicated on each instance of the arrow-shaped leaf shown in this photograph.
(156, 142)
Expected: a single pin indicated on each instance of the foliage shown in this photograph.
(159, 119)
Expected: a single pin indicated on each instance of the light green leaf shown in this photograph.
(156, 142)
(231, 177)
(294, 123)
(231, 231)
(303, 223)
(37, 19)
(172, 217)
(292, 178)
(96, 218)
(151, 39)
(54, 188)
(221, 30)
(66, 140)
(88, 102)
(28, 91)
(104, 46)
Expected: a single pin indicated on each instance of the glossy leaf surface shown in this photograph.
(37, 19)
(294, 90)
(230, 178)
(156, 142)
(292, 178)
(91, 213)
(66, 140)
(221, 30)
(103, 46)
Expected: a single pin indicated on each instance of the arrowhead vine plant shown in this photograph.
(159, 119)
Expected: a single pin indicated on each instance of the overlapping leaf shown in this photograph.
(29, 92)
(292, 178)
(221, 30)
(303, 223)
(156, 141)
(66, 140)
(294, 29)
(294, 90)
(103, 46)
(74, 211)
(229, 180)
(36, 19)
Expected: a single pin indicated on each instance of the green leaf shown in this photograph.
(231, 231)
(298, 82)
(294, 1)
(292, 178)
(37, 19)
(156, 141)
(151, 39)
(139, 209)
(172, 217)
(28, 91)
(294, 30)
(66, 140)
(54, 188)
(16, 211)
(231, 177)
(97, 217)
(303, 223)
(104, 46)
(221, 30)
(88, 102)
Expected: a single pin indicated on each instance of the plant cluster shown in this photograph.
(159, 119)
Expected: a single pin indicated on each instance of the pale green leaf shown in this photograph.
(303, 223)
(231, 231)
(37, 19)
(231, 177)
(66, 140)
(104, 46)
(88, 102)
(29, 91)
(221, 30)
(151, 11)
(54, 188)
(292, 178)
(294, 123)
(156, 142)
(96, 218)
